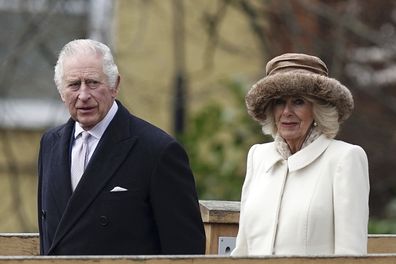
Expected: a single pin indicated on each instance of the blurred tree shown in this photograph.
(217, 139)
(357, 40)
(32, 34)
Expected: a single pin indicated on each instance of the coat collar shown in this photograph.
(301, 158)
(60, 165)
(307, 155)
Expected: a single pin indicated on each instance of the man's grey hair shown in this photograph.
(87, 46)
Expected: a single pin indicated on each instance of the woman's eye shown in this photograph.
(279, 101)
(299, 101)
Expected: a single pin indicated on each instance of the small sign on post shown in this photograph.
(226, 245)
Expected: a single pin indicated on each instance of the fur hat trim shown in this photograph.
(298, 82)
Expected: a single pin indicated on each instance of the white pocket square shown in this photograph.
(118, 189)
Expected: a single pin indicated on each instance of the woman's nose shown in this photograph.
(287, 109)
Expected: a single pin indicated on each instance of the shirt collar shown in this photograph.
(98, 130)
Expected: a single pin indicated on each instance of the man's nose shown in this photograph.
(85, 92)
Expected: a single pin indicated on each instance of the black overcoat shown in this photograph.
(158, 214)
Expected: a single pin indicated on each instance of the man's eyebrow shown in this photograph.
(72, 80)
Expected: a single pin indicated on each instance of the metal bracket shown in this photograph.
(226, 245)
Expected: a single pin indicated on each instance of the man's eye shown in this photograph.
(74, 86)
(92, 83)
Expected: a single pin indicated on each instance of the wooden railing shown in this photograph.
(27, 244)
(221, 222)
(369, 259)
(221, 219)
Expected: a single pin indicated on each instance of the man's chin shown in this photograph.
(86, 124)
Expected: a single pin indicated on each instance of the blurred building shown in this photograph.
(176, 56)
(32, 34)
(163, 50)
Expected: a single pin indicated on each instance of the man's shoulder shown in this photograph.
(145, 129)
(142, 129)
(55, 131)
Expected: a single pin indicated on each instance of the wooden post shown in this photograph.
(220, 219)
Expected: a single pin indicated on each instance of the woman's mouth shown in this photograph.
(289, 124)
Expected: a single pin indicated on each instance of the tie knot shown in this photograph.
(85, 135)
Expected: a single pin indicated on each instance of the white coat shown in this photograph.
(316, 202)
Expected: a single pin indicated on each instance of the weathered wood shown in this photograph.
(370, 259)
(214, 232)
(27, 244)
(23, 244)
(220, 220)
(382, 243)
(220, 211)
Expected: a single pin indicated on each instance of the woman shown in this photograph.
(305, 193)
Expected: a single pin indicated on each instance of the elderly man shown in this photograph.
(109, 182)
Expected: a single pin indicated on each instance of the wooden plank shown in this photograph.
(19, 244)
(219, 211)
(20, 248)
(382, 243)
(27, 244)
(370, 259)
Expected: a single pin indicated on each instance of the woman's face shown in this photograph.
(293, 119)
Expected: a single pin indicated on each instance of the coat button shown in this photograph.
(43, 214)
(103, 220)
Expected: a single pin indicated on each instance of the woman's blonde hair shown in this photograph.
(325, 116)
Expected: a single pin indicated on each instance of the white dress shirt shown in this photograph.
(96, 134)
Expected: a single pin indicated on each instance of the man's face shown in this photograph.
(85, 90)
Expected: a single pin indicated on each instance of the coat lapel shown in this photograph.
(111, 151)
(60, 162)
(308, 154)
(271, 158)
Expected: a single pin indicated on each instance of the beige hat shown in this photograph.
(298, 74)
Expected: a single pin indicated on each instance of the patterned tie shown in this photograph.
(80, 159)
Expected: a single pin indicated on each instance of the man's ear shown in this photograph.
(116, 88)
(61, 95)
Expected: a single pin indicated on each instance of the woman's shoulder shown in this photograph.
(263, 152)
(345, 148)
(262, 147)
(336, 143)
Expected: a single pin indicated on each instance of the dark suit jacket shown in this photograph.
(159, 214)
